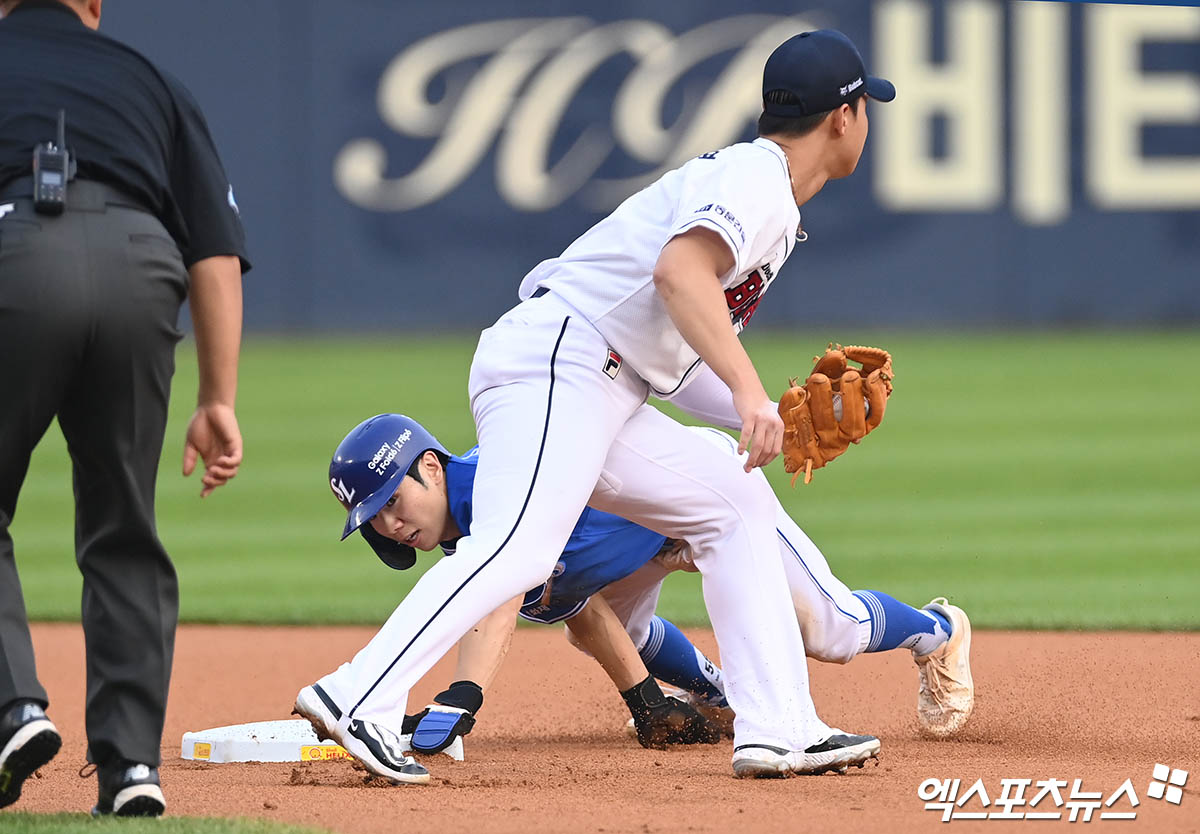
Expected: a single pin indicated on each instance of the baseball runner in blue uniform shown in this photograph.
(610, 571)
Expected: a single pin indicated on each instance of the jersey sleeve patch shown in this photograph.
(745, 195)
(726, 218)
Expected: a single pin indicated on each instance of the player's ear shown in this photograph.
(840, 121)
(434, 472)
(92, 9)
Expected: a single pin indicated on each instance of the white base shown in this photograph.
(273, 741)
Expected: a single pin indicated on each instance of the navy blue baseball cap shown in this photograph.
(815, 72)
(370, 462)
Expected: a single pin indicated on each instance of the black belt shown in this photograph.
(82, 195)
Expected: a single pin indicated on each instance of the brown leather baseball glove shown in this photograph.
(837, 405)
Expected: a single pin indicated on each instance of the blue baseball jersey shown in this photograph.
(602, 549)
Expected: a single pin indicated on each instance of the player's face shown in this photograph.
(417, 513)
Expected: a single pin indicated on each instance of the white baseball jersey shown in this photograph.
(743, 192)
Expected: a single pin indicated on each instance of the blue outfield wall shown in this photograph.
(403, 164)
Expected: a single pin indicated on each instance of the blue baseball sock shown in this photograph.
(671, 657)
(896, 625)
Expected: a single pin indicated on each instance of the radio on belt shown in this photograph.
(52, 169)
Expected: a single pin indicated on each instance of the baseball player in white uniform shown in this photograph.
(647, 302)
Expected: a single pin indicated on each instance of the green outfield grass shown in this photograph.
(20, 823)
(1040, 480)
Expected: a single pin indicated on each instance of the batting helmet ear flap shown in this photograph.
(393, 554)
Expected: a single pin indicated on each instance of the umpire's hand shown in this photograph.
(213, 435)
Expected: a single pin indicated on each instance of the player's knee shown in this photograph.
(739, 490)
(826, 645)
(829, 654)
(751, 497)
(760, 491)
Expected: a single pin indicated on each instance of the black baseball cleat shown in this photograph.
(837, 752)
(129, 789)
(27, 741)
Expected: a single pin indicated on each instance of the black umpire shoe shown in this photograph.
(129, 789)
(27, 741)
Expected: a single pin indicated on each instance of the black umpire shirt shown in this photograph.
(129, 125)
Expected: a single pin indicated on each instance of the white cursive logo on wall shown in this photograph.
(530, 72)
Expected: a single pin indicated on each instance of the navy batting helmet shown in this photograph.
(366, 470)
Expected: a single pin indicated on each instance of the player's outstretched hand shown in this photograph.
(762, 427)
(213, 435)
(451, 715)
(661, 721)
(436, 727)
(674, 722)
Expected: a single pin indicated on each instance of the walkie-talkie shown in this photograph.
(51, 170)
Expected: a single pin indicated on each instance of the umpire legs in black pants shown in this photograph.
(89, 303)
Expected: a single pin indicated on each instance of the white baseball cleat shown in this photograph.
(836, 752)
(314, 704)
(946, 696)
(377, 748)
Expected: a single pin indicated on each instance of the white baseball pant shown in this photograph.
(555, 433)
(835, 623)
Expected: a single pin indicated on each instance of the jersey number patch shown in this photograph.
(743, 299)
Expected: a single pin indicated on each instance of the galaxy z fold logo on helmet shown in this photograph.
(387, 453)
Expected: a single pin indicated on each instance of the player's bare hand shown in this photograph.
(213, 436)
(762, 428)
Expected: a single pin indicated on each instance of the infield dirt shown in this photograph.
(549, 754)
